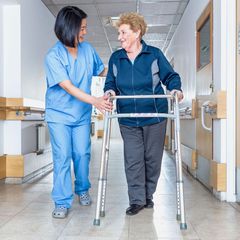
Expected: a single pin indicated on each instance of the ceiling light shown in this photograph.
(113, 21)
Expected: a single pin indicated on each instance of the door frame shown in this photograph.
(238, 99)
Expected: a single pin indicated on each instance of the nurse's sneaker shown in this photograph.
(60, 212)
(85, 199)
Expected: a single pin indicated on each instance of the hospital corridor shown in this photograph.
(119, 119)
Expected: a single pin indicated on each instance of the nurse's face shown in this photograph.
(127, 36)
(83, 30)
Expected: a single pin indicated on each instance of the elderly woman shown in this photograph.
(140, 69)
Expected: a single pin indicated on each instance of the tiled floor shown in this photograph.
(25, 210)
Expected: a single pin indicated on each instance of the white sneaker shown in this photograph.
(60, 212)
(85, 199)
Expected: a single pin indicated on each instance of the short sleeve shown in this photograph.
(55, 71)
(98, 66)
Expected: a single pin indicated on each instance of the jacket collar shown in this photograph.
(123, 53)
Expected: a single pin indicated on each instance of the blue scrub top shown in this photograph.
(61, 107)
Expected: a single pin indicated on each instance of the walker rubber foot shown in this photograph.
(96, 222)
(102, 213)
(183, 226)
(178, 217)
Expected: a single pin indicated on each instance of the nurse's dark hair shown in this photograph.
(68, 23)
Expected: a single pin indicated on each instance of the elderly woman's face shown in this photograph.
(127, 36)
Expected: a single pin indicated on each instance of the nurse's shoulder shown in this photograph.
(57, 53)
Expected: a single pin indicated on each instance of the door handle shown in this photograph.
(210, 108)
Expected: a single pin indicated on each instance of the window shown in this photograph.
(204, 44)
(204, 38)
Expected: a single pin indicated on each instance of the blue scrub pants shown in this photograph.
(69, 143)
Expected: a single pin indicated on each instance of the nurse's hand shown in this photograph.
(103, 104)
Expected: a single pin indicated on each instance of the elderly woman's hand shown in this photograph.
(109, 93)
(179, 94)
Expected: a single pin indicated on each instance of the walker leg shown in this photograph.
(96, 221)
(178, 215)
(103, 201)
(183, 224)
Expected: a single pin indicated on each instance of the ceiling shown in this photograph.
(162, 17)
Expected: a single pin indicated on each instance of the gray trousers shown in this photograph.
(143, 150)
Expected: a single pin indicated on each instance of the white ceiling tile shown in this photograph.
(155, 36)
(182, 7)
(93, 21)
(103, 52)
(67, 2)
(162, 17)
(93, 35)
(173, 28)
(156, 1)
(53, 9)
(114, 1)
(159, 8)
(111, 30)
(90, 9)
(115, 44)
(158, 44)
(115, 9)
(159, 29)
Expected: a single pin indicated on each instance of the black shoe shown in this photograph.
(149, 203)
(134, 209)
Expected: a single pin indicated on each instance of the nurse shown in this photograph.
(70, 65)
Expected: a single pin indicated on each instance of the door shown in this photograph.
(238, 103)
(204, 88)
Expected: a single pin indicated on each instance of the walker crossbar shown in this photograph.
(102, 180)
(140, 115)
(141, 96)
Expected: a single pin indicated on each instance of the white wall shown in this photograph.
(11, 51)
(1, 50)
(225, 49)
(1, 138)
(26, 34)
(1, 75)
(2, 4)
(37, 36)
(9, 57)
(12, 138)
(183, 49)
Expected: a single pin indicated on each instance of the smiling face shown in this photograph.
(83, 30)
(127, 37)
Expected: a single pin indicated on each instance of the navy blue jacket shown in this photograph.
(143, 77)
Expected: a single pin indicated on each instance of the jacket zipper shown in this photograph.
(135, 105)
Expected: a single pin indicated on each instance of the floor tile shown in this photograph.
(25, 210)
